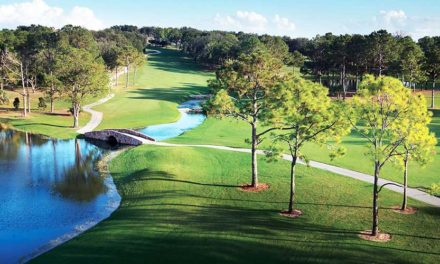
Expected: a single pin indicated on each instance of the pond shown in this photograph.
(51, 190)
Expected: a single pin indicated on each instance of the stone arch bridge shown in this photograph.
(119, 136)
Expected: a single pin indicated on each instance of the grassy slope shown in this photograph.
(233, 133)
(173, 212)
(50, 125)
(40, 122)
(161, 84)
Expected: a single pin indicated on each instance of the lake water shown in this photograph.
(50, 190)
(186, 122)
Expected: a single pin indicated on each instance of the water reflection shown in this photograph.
(81, 181)
(41, 177)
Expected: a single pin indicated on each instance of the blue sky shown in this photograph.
(294, 18)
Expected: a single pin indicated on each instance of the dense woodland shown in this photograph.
(38, 57)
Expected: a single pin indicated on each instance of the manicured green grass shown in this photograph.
(182, 205)
(161, 84)
(233, 133)
(56, 126)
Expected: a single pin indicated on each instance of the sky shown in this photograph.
(301, 18)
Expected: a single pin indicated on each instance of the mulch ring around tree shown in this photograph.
(296, 213)
(249, 188)
(380, 237)
(407, 211)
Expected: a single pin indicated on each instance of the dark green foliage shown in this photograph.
(16, 103)
(42, 103)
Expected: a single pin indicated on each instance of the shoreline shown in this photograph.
(112, 205)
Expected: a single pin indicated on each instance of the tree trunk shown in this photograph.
(134, 76)
(292, 183)
(433, 95)
(344, 87)
(52, 94)
(375, 228)
(76, 108)
(357, 82)
(52, 104)
(24, 90)
(405, 182)
(126, 77)
(29, 101)
(116, 77)
(254, 155)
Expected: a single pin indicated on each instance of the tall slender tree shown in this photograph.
(382, 107)
(242, 89)
(419, 143)
(307, 114)
(431, 62)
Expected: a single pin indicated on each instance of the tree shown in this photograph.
(15, 67)
(126, 57)
(382, 106)
(431, 62)
(296, 60)
(242, 88)
(382, 50)
(81, 76)
(47, 59)
(358, 57)
(410, 61)
(307, 114)
(139, 59)
(419, 143)
(339, 54)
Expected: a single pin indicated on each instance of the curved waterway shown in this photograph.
(186, 122)
(51, 190)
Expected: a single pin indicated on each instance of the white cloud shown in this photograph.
(393, 17)
(39, 12)
(283, 24)
(398, 21)
(249, 21)
(242, 21)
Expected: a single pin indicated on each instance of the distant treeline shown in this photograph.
(338, 61)
(335, 60)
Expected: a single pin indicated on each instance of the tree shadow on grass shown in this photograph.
(188, 233)
(41, 124)
(164, 223)
(175, 61)
(176, 95)
(149, 175)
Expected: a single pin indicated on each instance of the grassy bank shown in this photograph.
(182, 205)
(40, 121)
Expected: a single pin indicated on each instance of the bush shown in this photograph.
(16, 103)
(435, 189)
(42, 103)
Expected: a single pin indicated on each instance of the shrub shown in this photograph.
(16, 103)
(435, 189)
(42, 103)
